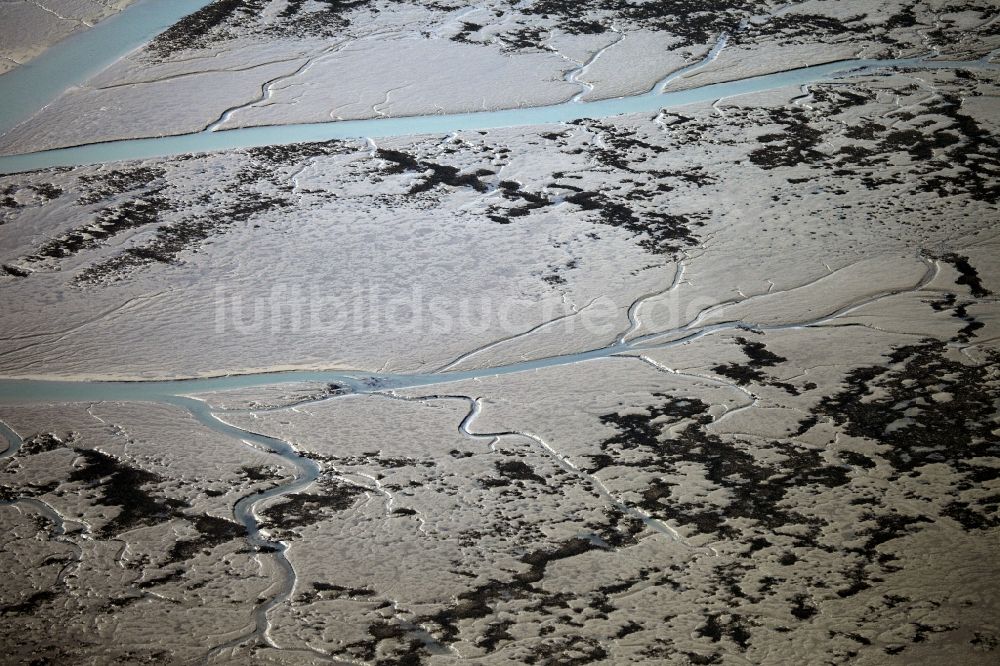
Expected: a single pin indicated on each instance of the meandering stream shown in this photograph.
(30, 87)
(179, 392)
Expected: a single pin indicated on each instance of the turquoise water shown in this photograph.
(13, 391)
(445, 123)
(35, 391)
(29, 87)
(12, 439)
(26, 89)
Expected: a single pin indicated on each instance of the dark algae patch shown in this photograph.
(968, 275)
(120, 485)
(110, 222)
(931, 410)
(213, 531)
(692, 22)
(437, 174)
(926, 407)
(304, 509)
(756, 490)
(517, 470)
(759, 357)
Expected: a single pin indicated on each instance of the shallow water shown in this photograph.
(653, 101)
(9, 439)
(29, 87)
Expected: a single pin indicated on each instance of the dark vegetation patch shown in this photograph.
(110, 222)
(329, 20)
(639, 209)
(170, 240)
(695, 23)
(922, 407)
(795, 26)
(322, 591)
(759, 357)
(478, 602)
(237, 199)
(659, 232)
(495, 634)
(468, 28)
(528, 38)
(211, 22)
(919, 427)
(968, 275)
(125, 487)
(436, 174)
(692, 22)
(257, 473)
(726, 625)
(213, 532)
(228, 19)
(518, 470)
(304, 509)
(145, 207)
(285, 155)
(949, 152)
(795, 144)
(44, 192)
(958, 311)
(802, 608)
(7, 199)
(42, 443)
(756, 490)
(619, 530)
(524, 202)
(14, 271)
(567, 651)
(114, 482)
(104, 185)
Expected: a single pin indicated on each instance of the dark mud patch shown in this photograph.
(31, 604)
